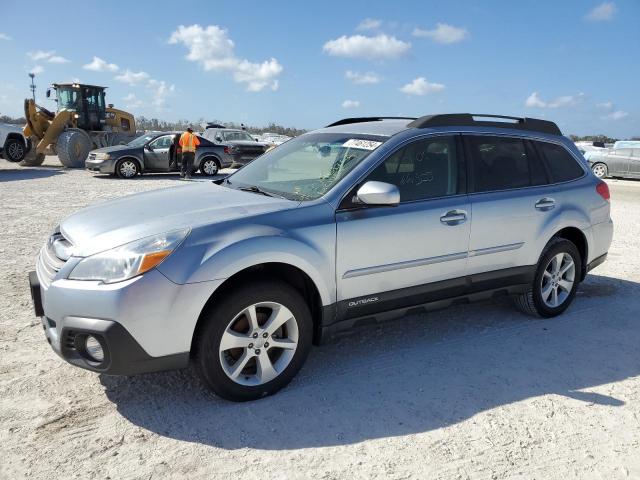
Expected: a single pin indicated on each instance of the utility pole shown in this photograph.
(33, 87)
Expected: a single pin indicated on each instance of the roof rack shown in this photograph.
(214, 125)
(347, 121)
(469, 120)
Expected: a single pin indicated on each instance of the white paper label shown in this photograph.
(361, 144)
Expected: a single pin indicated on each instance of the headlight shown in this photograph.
(102, 156)
(128, 260)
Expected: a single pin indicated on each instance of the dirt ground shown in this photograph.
(475, 391)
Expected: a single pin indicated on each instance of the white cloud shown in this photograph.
(160, 91)
(49, 56)
(131, 101)
(617, 115)
(420, 86)
(4, 36)
(214, 51)
(350, 104)
(100, 65)
(602, 12)
(132, 78)
(605, 105)
(37, 69)
(443, 33)
(367, 78)
(369, 24)
(373, 48)
(534, 100)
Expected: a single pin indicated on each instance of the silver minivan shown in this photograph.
(363, 220)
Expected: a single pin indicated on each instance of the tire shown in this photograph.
(600, 170)
(559, 270)
(14, 150)
(127, 168)
(73, 146)
(210, 166)
(264, 368)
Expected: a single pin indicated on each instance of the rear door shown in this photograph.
(511, 199)
(392, 257)
(618, 161)
(157, 153)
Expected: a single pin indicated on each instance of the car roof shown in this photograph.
(382, 128)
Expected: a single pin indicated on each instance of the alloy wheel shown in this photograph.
(259, 343)
(15, 150)
(210, 167)
(128, 169)
(599, 170)
(558, 279)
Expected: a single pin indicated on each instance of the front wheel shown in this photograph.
(555, 282)
(254, 341)
(127, 168)
(14, 150)
(600, 170)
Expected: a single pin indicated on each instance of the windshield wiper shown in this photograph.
(256, 189)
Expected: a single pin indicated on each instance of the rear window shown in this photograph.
(562, 166)
(503, 163)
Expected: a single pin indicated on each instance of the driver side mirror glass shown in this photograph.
(378, 193)
(149, 147)
(218, 139)
(48, 92)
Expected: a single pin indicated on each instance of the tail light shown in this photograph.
(228, 150)
(603, 190)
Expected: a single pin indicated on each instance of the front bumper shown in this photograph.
(101, 166)
(144, 324)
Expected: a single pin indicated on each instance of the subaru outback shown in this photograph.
(363, 220)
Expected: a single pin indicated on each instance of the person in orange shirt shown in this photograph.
(189, 142)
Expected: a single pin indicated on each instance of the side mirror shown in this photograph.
(378, 193)
(149, 147)
(48, 92)
(218, 139)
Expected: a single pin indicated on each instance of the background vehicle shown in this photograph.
(366, 219)
(239, 147)
(623, 160)
(13, 145)
(82, 122)
(155, 152)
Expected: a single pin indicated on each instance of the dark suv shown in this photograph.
(239, 147)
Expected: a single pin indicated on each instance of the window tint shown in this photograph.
(562, 165)
(501, 163)
(162, 142)
(422, 169)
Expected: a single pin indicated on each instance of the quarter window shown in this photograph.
(562, 165)
(423, 169)
(502, 163)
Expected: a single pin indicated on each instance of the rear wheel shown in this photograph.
(127, 168)
(33, 158)
(73, 146)
(555, 282)
(600, 170)
(254, 341)
(209, 166)
(14, 150)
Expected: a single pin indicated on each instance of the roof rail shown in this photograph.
(469, 120)
(214, 125)
(347, 121)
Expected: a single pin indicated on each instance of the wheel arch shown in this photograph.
(206, 156)
(128, 157)
(579, 239)
(16, 136)
(285, 272)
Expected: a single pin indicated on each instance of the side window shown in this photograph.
(162, 142)
(623, 152)
(423, 169)
(562, 165)
(501, 163)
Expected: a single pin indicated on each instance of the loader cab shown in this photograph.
(86, 100)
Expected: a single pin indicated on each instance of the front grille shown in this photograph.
(70, 340)
(49, 260)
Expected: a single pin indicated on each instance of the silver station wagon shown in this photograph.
(364, 219)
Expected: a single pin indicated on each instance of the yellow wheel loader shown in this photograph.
(82, 122)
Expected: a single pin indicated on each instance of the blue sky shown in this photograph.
(306, 64)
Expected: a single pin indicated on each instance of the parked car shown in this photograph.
(365, 219)
(155, 152)
(621, 161)
(240, 148)
(13, 144)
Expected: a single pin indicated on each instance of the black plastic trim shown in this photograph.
(468, 120)
(348, 121)
(596, 262)
(36, 294)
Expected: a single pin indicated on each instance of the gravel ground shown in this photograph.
(475, 391)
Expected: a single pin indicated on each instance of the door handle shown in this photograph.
(545, 204)
(454, 217)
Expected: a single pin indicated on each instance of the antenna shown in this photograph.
(33, 86)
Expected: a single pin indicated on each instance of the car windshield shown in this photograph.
(235, 136)
(308, 166)
(140, 141)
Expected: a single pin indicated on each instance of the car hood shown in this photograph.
(116, 222)
(113, 149)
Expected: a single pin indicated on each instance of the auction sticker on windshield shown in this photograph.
(361, 144)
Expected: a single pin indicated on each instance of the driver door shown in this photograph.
(391, 257)
(157, 153)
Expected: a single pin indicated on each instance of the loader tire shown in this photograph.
(73, 146)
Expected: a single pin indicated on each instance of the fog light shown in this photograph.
(94, 349)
